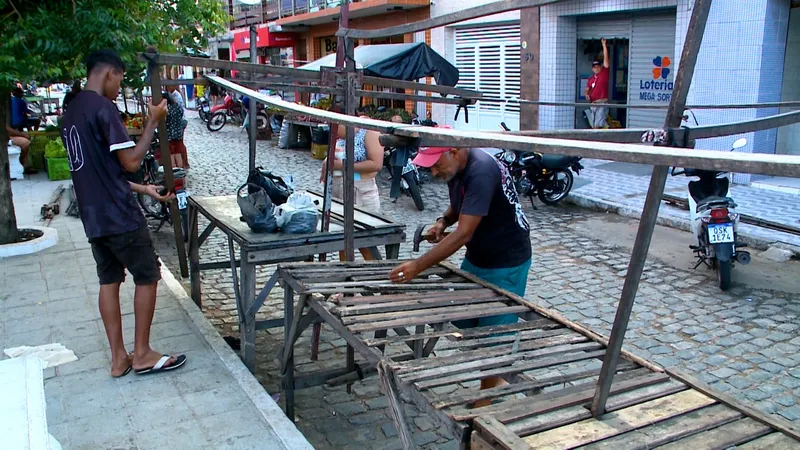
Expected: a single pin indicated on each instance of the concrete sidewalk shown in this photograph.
(621, 188)
(211, 403)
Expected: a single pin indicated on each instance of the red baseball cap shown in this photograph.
(427, 156)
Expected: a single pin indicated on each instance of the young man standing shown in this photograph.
(491, 223)
(100, 152)
(597, 91)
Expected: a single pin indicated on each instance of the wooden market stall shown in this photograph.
(627, 401)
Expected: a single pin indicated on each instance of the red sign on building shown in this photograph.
(241, 39)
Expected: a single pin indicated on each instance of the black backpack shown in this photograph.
(277, 189)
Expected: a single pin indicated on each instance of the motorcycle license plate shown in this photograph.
(720, 233)
(206, 108)
(182, 197)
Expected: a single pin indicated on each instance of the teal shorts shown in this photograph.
(513, 279)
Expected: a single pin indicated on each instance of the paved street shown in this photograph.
(744, 341)
(51, 297)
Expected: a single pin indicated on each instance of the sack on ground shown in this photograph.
(257, 208)
(299, 215)
(277, 189)
(283, 137)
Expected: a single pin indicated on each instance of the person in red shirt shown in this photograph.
(597, 91)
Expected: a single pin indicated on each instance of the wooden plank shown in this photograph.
(722, 437)
(496, 432)
(624, 400)
(774, 441)
(467, 333)
(524, 336)
(476, 442)
(364, 274)
(538, 348)
(554, 315)
(508, 389)
(387, 298)
(669, 430)
(631, 418)
(438, 282)
(435, 318)
(412, 287)
(410, 305)
(180, 60)
(768, 164)
(398, 414)
(443, 20)
(773, 421)
(369, 353)
(519, 409)
(506, 371)
(422, 311)
(407, 97)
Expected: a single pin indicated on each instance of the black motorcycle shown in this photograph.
(203, 108)
(548, 177)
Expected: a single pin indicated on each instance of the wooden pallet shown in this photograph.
(551, 364)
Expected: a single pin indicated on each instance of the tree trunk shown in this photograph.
(8, 219)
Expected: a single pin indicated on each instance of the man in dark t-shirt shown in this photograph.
(100, 152)
(491, 223)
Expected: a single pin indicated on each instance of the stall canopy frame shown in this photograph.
(670, 154)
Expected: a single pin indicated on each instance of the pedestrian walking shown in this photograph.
(176, 126)
(100, 152)
(491, 224)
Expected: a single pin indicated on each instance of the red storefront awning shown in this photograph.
(241, 39)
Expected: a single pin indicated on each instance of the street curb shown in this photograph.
(286, 432)
(599, 204)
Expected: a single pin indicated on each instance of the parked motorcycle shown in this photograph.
(203, 109)
(548, 177)
(233, 110)
(714, 221)
(404, 174)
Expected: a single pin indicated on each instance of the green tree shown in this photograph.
(48, 41)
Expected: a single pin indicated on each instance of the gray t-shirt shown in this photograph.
(486, 189)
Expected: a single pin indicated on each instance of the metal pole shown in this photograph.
(691, 47)
(253, 105)
(169, 180)
(350, 101)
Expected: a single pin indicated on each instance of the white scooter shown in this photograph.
(712, 213)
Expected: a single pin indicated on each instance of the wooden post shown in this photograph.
(253, 105)
(8, 221)
(691, 47)
(169, 180)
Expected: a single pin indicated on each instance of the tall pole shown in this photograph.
(691, 47)
(169, 179)
(350, 101)
(253, 106)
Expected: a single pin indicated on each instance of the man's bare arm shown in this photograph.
(606, 61)
(131, 158)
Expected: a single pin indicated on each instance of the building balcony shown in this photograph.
(306, 13)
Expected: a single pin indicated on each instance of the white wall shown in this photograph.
(789, 137)
(442, 40)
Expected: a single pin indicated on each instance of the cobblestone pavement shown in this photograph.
(744, 341)
(605, 185)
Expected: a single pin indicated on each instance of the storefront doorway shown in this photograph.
(618, 51)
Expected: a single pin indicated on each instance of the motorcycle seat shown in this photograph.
(711, 202)
(556, 161)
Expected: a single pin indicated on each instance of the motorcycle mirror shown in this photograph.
(739, 143)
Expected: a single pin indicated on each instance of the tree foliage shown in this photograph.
(48, 40)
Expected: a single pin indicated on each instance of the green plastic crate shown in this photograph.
(39, 140)
(58, 169)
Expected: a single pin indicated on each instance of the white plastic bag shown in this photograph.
(298, 215)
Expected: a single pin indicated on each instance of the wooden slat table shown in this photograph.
(371, 231)
(552, 366)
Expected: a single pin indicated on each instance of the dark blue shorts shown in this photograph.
(513, 279)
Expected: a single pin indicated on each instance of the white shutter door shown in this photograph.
(652, 47)
(609, 27)
(488, 61)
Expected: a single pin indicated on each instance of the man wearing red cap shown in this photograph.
(491, 224)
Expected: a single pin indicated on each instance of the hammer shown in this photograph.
(419, 236)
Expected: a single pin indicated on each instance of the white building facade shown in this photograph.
(749, 55)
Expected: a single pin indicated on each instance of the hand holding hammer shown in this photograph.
(434, 235)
